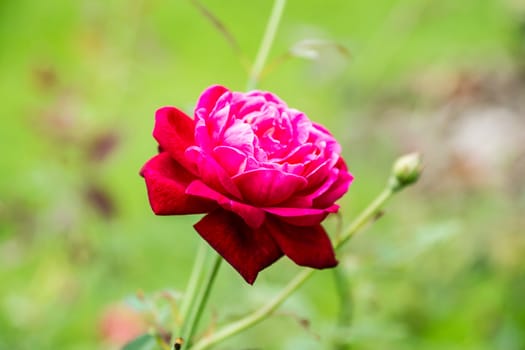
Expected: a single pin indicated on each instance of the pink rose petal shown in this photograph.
(231, 159)
(267, 187)
(212, 172)
(209, 97)
(337, 189)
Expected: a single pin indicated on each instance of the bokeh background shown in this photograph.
(79, 84)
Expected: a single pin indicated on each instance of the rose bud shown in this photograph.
(406, 170)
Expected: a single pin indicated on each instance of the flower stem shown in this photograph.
(367, 216)
(266, 43)
(191, 290)
(193, 322)
(256, 316)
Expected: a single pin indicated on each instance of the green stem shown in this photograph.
(191, 290)
(266, 43)
(256, 316)
(367, 216)
(193, 322)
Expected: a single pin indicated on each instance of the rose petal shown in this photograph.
(209, 97)
(212, 116)
(317, 191)
(267, 187)
(306, 246)
(239, 135)
(231, 159)
(268, 96)
(211, 172)
(300, 216)
(318, 174)
(322, 135)
(299, 154)
(298, 202)
(174, 132)
(297, 169)
(210, 127)
(302, 125)
(247, 250)
(253, 216)
(166, 182)
(244, 107)
(338, 188)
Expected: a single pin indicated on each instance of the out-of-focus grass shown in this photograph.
(80, 82)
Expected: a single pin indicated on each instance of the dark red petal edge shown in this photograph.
(247, 250)
(306, 246)
(166, 182)
(253, 216)
(174, 131)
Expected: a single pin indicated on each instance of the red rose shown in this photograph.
(263, 172)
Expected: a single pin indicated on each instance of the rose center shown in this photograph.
(272, 131)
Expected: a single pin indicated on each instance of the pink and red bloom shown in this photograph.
(264, 173)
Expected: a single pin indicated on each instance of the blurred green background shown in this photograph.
(443, 269)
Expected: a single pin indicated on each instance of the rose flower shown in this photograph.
(264, 173)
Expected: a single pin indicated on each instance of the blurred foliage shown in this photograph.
(443, 269)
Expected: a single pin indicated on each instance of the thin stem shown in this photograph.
(266, 43)
(191, 290)
(367, 216)
(193, 322)
(256, 316)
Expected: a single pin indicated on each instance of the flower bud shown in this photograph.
(406, 170)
